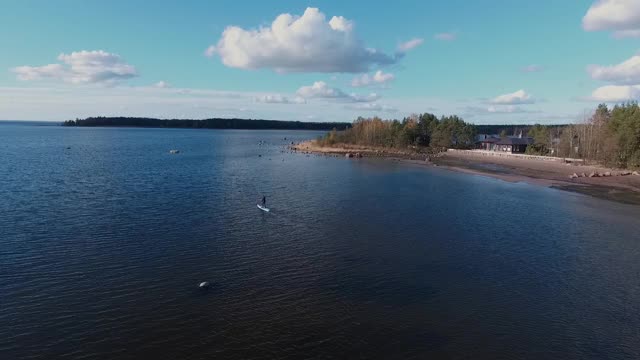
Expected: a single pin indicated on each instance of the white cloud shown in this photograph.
(620, 16)
(210, 51)
(497, 110)
(410, 45)
(378, 78)
(372, 107)
(509, 109)
(279, 99)
(306, 43)
(532, 68)
(162, 84)
(615, 93)
(516, 98)
(320, 90)
(363, 98)
(27, 73)
(447, 36)
(625, 73)
(339, 23)
(626, 34)
(81, 67)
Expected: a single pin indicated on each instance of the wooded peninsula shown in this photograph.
(610, 136)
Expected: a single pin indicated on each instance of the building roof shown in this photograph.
(489, 140)
(515, 141)
(481, 137)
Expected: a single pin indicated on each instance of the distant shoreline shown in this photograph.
(213, 123)
(622, 189)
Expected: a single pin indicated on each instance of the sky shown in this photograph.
(488, 61)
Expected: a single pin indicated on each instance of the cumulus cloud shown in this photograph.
(532, 68)
(615, 93)
(321, 90)
(372, 107)
(279, 99)
(81, 67)
(409, 45)
(446, 36)
(620, 16)
(162, 85)
(378, 78)
(625, 73)
(307, 43)
(517, 98)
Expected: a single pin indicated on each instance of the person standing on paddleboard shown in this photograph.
(264, 201)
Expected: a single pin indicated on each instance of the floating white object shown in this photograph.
(174, 151)
(263, 208)
(203, 284)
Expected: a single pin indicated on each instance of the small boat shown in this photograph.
(263, 208)
(204, 284)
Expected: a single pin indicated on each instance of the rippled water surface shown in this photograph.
(104, 237)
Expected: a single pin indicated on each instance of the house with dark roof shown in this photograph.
(513, 145)
(486, 142)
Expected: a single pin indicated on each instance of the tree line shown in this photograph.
(609, 136)
(418, 131)
(213, 123)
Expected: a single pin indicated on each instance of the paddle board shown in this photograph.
(263, 208)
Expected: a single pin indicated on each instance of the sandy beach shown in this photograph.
(556, 174)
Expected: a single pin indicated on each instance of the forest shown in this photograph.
(609, 136)
(214, 123)
(419, 131)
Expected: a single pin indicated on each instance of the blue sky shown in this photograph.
(490, 61)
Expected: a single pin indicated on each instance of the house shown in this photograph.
(486, 142)
(513, 145)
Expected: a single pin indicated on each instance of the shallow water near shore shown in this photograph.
(105, 236)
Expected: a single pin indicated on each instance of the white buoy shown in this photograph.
(203, 284)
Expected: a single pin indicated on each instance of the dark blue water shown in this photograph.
(104, 237)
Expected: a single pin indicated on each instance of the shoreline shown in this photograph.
(548, 172)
